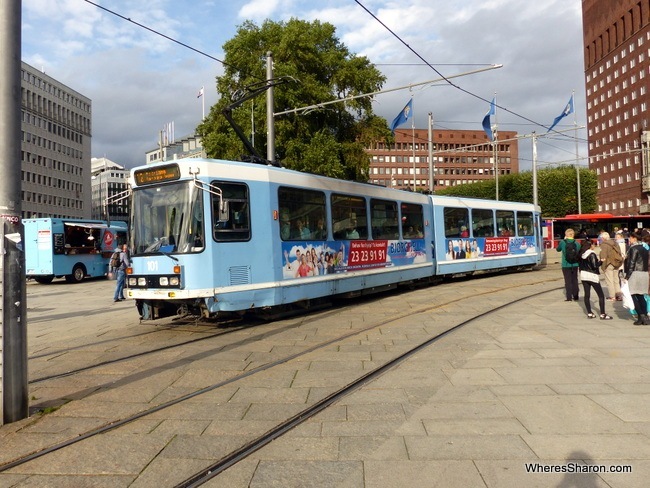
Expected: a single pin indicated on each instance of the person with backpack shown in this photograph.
(120, 273)
(570, 249)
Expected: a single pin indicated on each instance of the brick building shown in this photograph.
(459, 157)
(616, 38)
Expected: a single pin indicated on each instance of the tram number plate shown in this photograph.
(367, 253)
(496, 245)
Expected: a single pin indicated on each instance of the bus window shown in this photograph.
(349, 218)
(456, 221)
(302, 214)
(525, 224)
(506, 222)
(482, 223)
(236, 201)
(384, 219)
(412, 221)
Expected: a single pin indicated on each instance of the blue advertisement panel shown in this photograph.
(310, 258)
(479, 247)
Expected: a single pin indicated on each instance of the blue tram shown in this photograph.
(212, 237)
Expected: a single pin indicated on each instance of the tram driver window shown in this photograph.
(456, 220)
(236, 200)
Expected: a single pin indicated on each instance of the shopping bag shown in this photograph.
(627, 297)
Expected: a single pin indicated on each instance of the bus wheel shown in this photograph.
(78, 274)
(44, 280)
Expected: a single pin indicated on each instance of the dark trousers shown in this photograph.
(640, 306)
(571, 282)
(588, 285)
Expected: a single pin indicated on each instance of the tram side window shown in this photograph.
(506, 223)
(412, 221)
(349, 217)
(525, 224)
(482, 222)
(384, 219)
(456, 222)
(236, 201)
(302, 214)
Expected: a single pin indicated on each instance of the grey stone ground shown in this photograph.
(536, 382)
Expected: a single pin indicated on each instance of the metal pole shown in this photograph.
(270, 121)
(413, 146)
(15, 405)
(535, 199)
(575, 123)
(431, 165)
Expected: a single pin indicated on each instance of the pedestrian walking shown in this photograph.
(120, 274)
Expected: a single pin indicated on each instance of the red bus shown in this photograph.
(589, 226)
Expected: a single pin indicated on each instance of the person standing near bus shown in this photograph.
(570, 249)
(610, 255)
(120, 273)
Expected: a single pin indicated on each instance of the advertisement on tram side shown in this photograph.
(305, 259)
(479, 247)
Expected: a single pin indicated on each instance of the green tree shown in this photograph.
(557, 192)
(327, 141)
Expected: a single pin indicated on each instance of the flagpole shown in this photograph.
(575, 123)
(413, 147)
(202, 104)
(431, 165)
(494, 148)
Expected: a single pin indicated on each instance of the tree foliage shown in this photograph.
(326, 141)
(557, 190)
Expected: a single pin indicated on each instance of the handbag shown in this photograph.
(627, 296)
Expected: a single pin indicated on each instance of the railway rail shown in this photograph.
(465, 295)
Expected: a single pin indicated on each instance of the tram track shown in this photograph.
(283, 427)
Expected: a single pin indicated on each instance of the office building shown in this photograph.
(55, 155)
(170, 149)
(616, 37)
(459, 157)
(109, 186)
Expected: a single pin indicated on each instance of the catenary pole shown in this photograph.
(431, 165)
(270, 102)
(12, 261)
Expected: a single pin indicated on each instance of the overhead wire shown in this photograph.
(467, 92)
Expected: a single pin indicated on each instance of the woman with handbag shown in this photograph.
(590, 277)
(635, 272)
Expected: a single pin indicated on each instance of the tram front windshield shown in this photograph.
(167, 219)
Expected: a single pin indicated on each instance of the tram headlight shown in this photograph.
(142, 281)
(133, 281)
(163, 281)
(174, 281)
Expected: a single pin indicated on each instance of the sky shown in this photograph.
(140, 81)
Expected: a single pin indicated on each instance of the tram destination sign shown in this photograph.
(159, 174)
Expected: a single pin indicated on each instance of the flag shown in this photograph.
(567, 110)
(403, 116)
(200, 93)
(487, 126)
